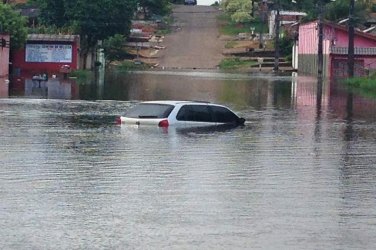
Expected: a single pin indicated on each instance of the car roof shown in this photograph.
(175, 102)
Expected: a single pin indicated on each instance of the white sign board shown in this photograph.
(55, 53)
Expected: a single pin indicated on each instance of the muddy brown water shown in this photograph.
(297, 176)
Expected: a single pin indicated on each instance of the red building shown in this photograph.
(46, 54)
(335, 50)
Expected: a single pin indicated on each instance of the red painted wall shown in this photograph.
(23, 68)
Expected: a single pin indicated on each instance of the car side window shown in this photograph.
(223, 115)
(196, 113)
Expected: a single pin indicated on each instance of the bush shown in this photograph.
(364, 85)
(82, 76)
(114, 48)
(235, 63)
(285, 46)
(127, 66)
(231, 28)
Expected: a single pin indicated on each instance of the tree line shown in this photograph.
(243, 11)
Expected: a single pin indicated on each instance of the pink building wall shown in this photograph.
(4, 57)
(308, 38)
(342, 39)
(335, 45)
(4, 66)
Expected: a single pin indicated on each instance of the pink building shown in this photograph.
(335, 50)
(4, 64)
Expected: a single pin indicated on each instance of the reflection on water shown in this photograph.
(51, 89)
(296, 176)
(4, 87)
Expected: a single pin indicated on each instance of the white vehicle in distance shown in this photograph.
(180, 114)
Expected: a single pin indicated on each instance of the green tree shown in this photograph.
(332, 10)
(157, 7)
(114, 48)
(339, 9)
(93, 20)
(239, 10)
(12, 23)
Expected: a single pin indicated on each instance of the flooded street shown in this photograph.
(297, 176)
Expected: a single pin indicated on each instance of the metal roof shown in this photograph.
(51, 37)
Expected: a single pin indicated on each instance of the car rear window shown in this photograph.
(150, 110)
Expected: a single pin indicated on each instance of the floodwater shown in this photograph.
(298, 175)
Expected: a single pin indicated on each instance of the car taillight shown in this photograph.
(118, 120)
(163, 124)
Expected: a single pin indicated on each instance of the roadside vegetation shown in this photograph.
(126, 66)
(364, 85)
(12, 23)
(232, 28)
(81, 76)
(233, 63)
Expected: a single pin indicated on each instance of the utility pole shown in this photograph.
(350, 51)
(276, 41)
(262, 14)
(320, 57)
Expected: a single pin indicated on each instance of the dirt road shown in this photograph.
(195, 43)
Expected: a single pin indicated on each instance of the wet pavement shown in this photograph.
(297, 176)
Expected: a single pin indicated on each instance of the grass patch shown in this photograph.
(235, 63)
(165, 26)
(231, 28)
(230, 44)
(127, 66)
(363, 85)
(83, 76)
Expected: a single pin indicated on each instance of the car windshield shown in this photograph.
(150, 110)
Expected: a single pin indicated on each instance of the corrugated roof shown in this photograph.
(356, 31)
(51, 37)
(345, 28)
(289, 13)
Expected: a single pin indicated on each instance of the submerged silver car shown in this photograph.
(180, 114)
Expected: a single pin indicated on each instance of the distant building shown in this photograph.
(287, 18)
(335, 50)
(31, 13)
(47, 54)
